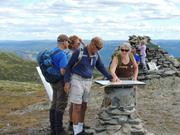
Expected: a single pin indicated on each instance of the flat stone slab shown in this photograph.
(119, 84)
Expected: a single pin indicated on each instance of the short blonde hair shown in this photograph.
(126, 45)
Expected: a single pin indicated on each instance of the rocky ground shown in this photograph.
(158, 105)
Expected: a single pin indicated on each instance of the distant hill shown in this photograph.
(29, 49)
(14, 68)
(171, 46)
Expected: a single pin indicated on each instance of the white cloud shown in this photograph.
(112, 19)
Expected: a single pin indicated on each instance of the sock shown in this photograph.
(76, 129)
(80, 124)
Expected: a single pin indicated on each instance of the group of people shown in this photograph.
(76, 66)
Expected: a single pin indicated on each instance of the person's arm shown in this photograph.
(113, 67)
(62, 64)
(82, 42)
(100, 66)
(135, 68)
(62, 71)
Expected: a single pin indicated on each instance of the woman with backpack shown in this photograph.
(123, 64)
(123, 67)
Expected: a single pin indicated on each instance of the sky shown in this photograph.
(109, 19)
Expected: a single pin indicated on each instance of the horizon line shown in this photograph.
(83, 39)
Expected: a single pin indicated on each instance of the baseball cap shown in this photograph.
(62, 38)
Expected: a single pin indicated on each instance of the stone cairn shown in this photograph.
(167, 65)
(118, 115)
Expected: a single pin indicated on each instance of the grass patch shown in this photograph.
(15, 86)
(14, 68)
(16, 96)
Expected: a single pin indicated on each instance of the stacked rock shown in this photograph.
(119, 117)
(166, 65)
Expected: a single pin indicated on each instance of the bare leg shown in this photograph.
(76, 113)
(70, 112)
(83, 111)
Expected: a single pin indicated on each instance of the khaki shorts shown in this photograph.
(80, 89)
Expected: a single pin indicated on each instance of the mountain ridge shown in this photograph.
(14, 68)
(29, 49)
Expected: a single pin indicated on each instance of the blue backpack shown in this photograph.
(44, 59)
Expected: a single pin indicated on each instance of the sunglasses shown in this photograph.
(99, 48)
(124, 50)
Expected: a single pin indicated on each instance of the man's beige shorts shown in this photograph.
(80, 89)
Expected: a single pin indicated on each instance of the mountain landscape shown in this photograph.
(30, 26)
(24, 104)
(29, 49)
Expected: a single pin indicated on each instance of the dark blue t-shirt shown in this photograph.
(85, 66)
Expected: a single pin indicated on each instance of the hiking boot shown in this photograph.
(70, 126)
(62, 132)
(59, 130)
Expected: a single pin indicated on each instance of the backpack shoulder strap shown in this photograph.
(119, 58)
(97, 56)
(55, 52)
(80, 54)
(79, 57)
(131, 56)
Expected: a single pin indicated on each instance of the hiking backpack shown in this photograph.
(44, 59)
